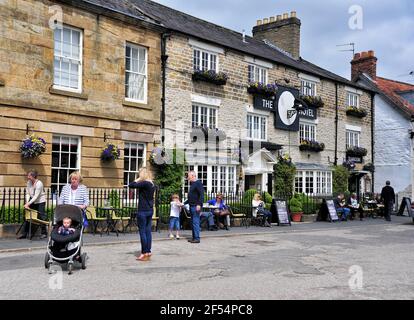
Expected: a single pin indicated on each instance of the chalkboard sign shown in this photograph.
(333, 216)
(279, 209)
(406, 204)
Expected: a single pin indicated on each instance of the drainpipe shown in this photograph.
(164, 59)
(373, 137)
(336, 124)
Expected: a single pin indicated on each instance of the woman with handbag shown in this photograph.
(36, 200)
(146, 193)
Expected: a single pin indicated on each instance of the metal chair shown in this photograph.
(240, 215)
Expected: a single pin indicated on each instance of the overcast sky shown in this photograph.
(387, 28)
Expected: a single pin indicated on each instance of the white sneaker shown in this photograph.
(171, 236)
(177, 237)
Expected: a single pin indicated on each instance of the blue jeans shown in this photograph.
(210, 218)
(174, 223)
(144, 219)
(195, 222)
(345, 213)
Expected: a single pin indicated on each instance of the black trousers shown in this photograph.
(388, 207)
(40, 207)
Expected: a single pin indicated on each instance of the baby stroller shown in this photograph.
(66, 248)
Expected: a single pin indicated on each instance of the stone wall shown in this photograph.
(235, 102)
(27, 98)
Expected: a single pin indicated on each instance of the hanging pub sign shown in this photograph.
(286, 117)
(309, 113)
(263, 103)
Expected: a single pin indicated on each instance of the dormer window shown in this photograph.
(205, 61)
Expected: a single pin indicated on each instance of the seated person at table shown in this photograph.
(341, 207)
(204, 215)
(354, 206)
(66, 229)
(259, 209)
(222, 213)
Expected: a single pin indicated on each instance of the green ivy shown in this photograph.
(284, 173)
(340, 178)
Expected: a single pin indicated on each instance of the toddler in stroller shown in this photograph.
(65, 241)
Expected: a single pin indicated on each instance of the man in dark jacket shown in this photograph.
(195, 200)
(388, 198)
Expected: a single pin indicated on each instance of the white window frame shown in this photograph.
(69, 168)
(305, 90)
(353, 138)
(322, 182)
(224, 185)
(305, 132)
(256, 70)
(61, 57)
(352, 99)
(200, 59)
(144, 159)
(138, 47)
(209, 116)
(251, 135)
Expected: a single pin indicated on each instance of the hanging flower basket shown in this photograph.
(110, 153)
(356, 112)
(266, 90)
(369, 167)
(285, 159)
(310, 145)
(350, 165)
(315, 102)
(211, 76)
(356, 152)
(32, 147)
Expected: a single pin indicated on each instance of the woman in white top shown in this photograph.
(36, 200)
(75, 194)
(259, 208)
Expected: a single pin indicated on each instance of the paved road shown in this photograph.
(311, 262)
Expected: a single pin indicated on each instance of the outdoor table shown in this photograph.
(132, 211)
(110, 222)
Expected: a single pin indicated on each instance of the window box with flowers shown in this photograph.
(266, 90)
(311, 145)
(110, 153)
(356, 152)
(32, 147)
(356, 112)
(211, 76)
(313, 101)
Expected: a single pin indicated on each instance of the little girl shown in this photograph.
(176, 206)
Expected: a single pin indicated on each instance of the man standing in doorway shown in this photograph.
(195, 200)
(388, 198)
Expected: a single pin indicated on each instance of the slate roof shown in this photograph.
(178, 21)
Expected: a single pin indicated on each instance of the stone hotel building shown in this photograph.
(120, 70)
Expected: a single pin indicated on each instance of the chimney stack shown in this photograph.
(364, 62)
(284, 32)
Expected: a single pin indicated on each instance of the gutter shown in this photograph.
(164, 59)
(373, 137)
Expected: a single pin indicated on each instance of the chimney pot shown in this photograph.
(371, 53)
(265, 21)
(357, 56)
(293, 14)
(364, 54)
(272, 19)
(279, 17)
(259, 22)
(285, 16)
